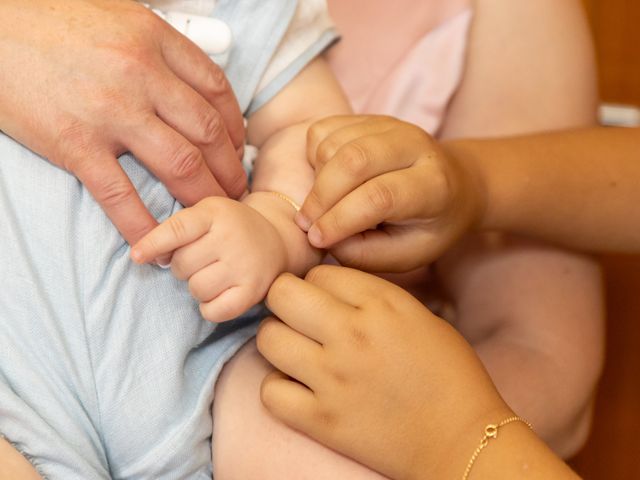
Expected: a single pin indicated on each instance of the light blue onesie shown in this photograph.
(106, 368)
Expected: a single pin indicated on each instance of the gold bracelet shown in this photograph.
(490, 432)
(287, 199)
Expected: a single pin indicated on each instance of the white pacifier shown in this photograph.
(213, 36)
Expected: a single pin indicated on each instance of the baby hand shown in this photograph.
(229, 253)
(386, 197)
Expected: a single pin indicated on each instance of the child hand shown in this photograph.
(229, 253)
(386, 197)
(370, 372)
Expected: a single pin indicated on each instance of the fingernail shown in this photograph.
(315, 236)
(303, 222)
(164, 261)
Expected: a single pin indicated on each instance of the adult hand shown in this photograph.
(83, 81)
(370, 372)
(385, 198)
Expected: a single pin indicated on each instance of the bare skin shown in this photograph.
(251, 384)
(348, 383)
(504, 270)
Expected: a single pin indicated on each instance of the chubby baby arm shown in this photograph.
(230, 252)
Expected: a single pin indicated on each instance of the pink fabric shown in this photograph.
(405, 61)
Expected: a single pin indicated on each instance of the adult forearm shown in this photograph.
(577, 188)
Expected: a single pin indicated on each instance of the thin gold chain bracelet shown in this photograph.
(490, 432)
(286, 198)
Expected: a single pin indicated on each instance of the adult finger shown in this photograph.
(395, 196)
(184, 227)
(289, 401)
(193, 66)
(182, 108)
(111, 187)
(289, 351)
(306, 308)
(355, 162)
(178, 163)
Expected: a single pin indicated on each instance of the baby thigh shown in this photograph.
(248, 443)
(14, 465)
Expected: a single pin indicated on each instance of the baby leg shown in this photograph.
(13, 465)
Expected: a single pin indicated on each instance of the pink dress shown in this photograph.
(406, 61)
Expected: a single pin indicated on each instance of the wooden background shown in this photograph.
(616, 28)
(613, 449)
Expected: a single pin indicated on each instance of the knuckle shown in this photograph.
(216, 82)
(113, 192)
(211, 127)
(130, 60)
(185, 162)
(354, 159)
(74, 142)
(178, 228)
(326, 151)
(380, 196)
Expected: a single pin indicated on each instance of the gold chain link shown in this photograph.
(490, 432)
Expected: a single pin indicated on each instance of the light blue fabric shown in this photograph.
(106, 368)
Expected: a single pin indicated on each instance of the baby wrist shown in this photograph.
(279, 210)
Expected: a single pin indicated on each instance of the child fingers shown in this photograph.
(289, 401)
(353, 164)
(289, 351)
(406, 142)
(182, 228)
(395, 196)
(307, 308)
(394, 248)
(352, 287)
(322, 129)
